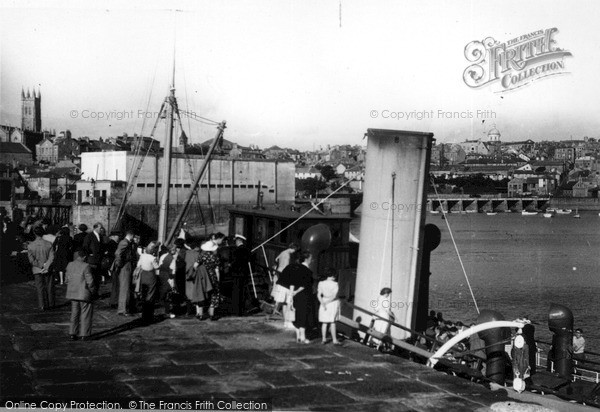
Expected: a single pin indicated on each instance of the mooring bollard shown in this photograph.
(494, 340)
(560, 323)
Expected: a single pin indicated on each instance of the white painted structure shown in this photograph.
(392, 221)
(228, 181)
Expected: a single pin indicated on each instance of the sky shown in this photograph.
(300, 74)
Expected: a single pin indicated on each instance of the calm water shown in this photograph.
(519, 265)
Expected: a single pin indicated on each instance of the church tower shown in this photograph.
(31, 111)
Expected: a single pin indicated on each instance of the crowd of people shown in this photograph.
(184, 279)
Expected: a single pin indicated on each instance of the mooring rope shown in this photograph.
(455, 246)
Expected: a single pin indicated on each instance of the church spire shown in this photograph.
(22, 93)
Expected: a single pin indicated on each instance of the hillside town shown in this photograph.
(45, 165)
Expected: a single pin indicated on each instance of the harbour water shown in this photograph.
(518, 265)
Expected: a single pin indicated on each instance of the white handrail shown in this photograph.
(466, 333)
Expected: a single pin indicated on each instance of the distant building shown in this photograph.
(15, 154)
(100, 192)
(31, 111)
(566, 154)
(587, 163)
(306, 172)
(227, 181)
(531, 186)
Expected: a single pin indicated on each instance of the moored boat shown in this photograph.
(528, 213)
(564, 211)
(491, 213)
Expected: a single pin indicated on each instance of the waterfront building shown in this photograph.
(227, 181)
(531, 186)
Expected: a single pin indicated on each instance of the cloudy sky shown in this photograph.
(294, 73)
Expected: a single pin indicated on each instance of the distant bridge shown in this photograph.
(487, 204)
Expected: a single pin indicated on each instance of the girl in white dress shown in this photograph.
(329, 311)
(383, 312)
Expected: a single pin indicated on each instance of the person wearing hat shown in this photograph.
(240, 271)
(79, 236)
(148, 280)
(212, 262)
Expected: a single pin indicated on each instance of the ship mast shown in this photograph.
(163, 216)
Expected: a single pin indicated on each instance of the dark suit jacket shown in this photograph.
(78, 240)
(80, 282)
(94, 249)
(123, 254)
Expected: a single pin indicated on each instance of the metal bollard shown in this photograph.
(560, 323)
(494, 340)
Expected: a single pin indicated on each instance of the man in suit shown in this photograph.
(40, 256)
(111, 248)
(93, 246)
(123, 268)
(81, 288)
(80, 236)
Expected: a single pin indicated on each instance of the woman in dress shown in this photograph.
(301, 293)
(63, 253)
(212, 263)
(197, 284)
(329, 311)
(384, 313)
(148, 280)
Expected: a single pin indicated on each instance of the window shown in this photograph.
(177, 184)
(150, 185)
(141, 185)
(187, 185)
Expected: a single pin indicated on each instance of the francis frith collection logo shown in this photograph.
(516, 62)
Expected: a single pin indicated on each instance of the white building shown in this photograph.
(227, 181)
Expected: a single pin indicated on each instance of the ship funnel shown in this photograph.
(392, 221)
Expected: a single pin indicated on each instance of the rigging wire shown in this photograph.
(455, 246)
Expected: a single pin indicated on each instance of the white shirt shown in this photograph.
(148, 262)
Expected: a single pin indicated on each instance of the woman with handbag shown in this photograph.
(212, 263)
(301, 293)
(148, 283)
(81, 289)
(198, 285)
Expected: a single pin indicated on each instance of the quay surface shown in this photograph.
(234, 358)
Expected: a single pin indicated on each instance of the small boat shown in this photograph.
(471, 211)
(491, 213)
(563, 211)
(576, 215)
(551, 210)
(434, 212)
(528, 213)
(548, 214)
